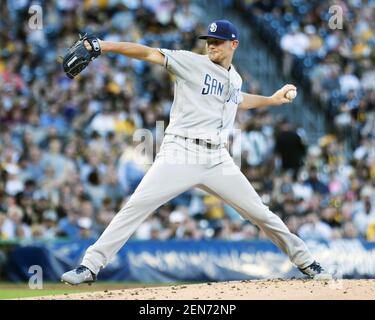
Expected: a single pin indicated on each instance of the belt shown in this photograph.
(200, 142)
(203, 143)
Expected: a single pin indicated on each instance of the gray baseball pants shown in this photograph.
(180, 165)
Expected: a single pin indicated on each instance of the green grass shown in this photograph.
(21, 290)
(17, 294)
(10, 290)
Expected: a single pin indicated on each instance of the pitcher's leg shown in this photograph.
(228, 182)
(162, 182)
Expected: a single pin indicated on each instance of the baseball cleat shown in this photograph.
(316, 272)
(79, 275)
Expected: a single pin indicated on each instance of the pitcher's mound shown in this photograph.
(238, 290)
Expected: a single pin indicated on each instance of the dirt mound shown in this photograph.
(239, 290)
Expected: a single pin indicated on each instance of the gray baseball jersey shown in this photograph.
(205, 104)
(206, 96)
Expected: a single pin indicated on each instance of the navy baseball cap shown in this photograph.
(221, 29)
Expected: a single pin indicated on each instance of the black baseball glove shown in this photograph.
(78, 57)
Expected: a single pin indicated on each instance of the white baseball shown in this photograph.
(291, 94)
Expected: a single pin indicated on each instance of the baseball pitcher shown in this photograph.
(193, 152)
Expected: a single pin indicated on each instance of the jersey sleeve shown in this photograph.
(179, 62)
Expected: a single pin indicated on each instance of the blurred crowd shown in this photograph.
(330, 47)
(68, 161)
